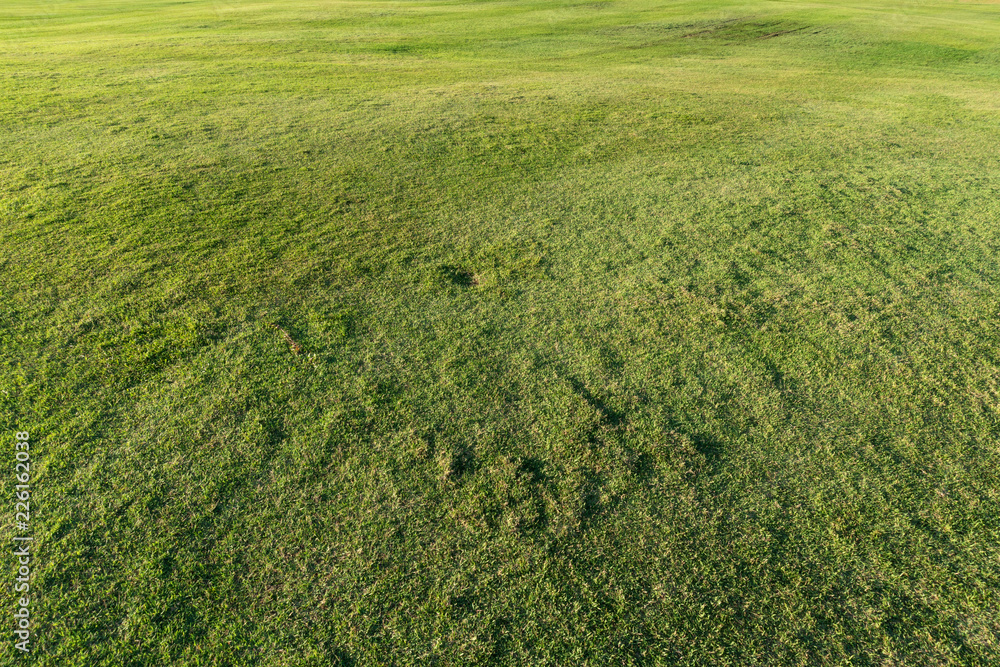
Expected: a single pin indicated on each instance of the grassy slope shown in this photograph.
(631, 332)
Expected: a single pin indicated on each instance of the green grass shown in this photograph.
(504, 332)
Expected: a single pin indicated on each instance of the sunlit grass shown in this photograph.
(599, 333)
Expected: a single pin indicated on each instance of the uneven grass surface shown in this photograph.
(503, 333)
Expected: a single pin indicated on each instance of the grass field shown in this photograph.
(503, 332)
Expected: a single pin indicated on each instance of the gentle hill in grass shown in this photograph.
(504, 333)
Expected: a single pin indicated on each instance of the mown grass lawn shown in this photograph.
(505, 332)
